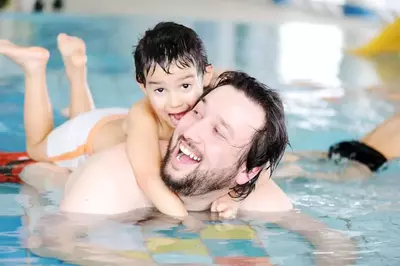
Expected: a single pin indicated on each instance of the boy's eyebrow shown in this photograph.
(155, 82)
(160, 82)
(187, 76)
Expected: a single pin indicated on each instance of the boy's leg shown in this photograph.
(73, 52)
(38, 115)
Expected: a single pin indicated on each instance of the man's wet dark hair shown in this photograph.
(269, 143)
(169, 43)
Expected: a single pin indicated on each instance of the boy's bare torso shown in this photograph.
(115, 132)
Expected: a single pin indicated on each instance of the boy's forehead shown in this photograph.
(175, 70)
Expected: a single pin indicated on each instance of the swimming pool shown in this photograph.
(304, 61)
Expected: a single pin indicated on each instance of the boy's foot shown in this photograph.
(29, 58)
(73, 52)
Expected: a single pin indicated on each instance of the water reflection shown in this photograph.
(147, 237)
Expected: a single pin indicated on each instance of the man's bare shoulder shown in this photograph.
(267, 197)
(104, 184)
(277, 195)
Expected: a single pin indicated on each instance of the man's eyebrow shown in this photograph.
(202, 100)
(226, 125)
(221, 120)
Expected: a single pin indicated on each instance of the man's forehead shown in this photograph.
(235, 108)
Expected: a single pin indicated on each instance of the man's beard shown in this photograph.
(198, 182)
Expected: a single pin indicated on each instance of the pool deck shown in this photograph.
(249, 10)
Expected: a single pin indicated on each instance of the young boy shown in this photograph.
(171, 69)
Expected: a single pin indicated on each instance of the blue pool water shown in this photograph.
(326, 101)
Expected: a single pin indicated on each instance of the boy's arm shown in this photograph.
(145, 158)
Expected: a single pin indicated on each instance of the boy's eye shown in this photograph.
(186, 86)
(159, 90)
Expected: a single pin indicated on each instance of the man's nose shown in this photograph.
(196, 131)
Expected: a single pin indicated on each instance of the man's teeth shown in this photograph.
(188, 153)
(179, 157)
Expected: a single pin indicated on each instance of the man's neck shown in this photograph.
(202, 202)
(196, 203)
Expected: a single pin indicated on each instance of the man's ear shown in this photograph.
(245, 176)
(208, 75)
(142, 87)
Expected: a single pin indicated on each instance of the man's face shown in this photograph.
(205, 148)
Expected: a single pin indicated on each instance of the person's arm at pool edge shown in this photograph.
(145, 158)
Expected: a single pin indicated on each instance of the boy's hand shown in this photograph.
(192, 224)
(226, 207)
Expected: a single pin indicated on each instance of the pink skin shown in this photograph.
(214, 146)
(173, 95)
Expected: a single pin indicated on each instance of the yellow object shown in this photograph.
(228, 232)
(387, 68)
(388, 41)
(183, 246)
(135, 255)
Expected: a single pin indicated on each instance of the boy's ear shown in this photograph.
(208, 75)
(142, 87)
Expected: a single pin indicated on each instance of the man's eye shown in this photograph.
(216, 131)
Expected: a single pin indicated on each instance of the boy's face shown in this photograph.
(173, 95)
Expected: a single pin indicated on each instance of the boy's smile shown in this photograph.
(173, 94)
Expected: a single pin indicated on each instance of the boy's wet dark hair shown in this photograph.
(169, 43)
